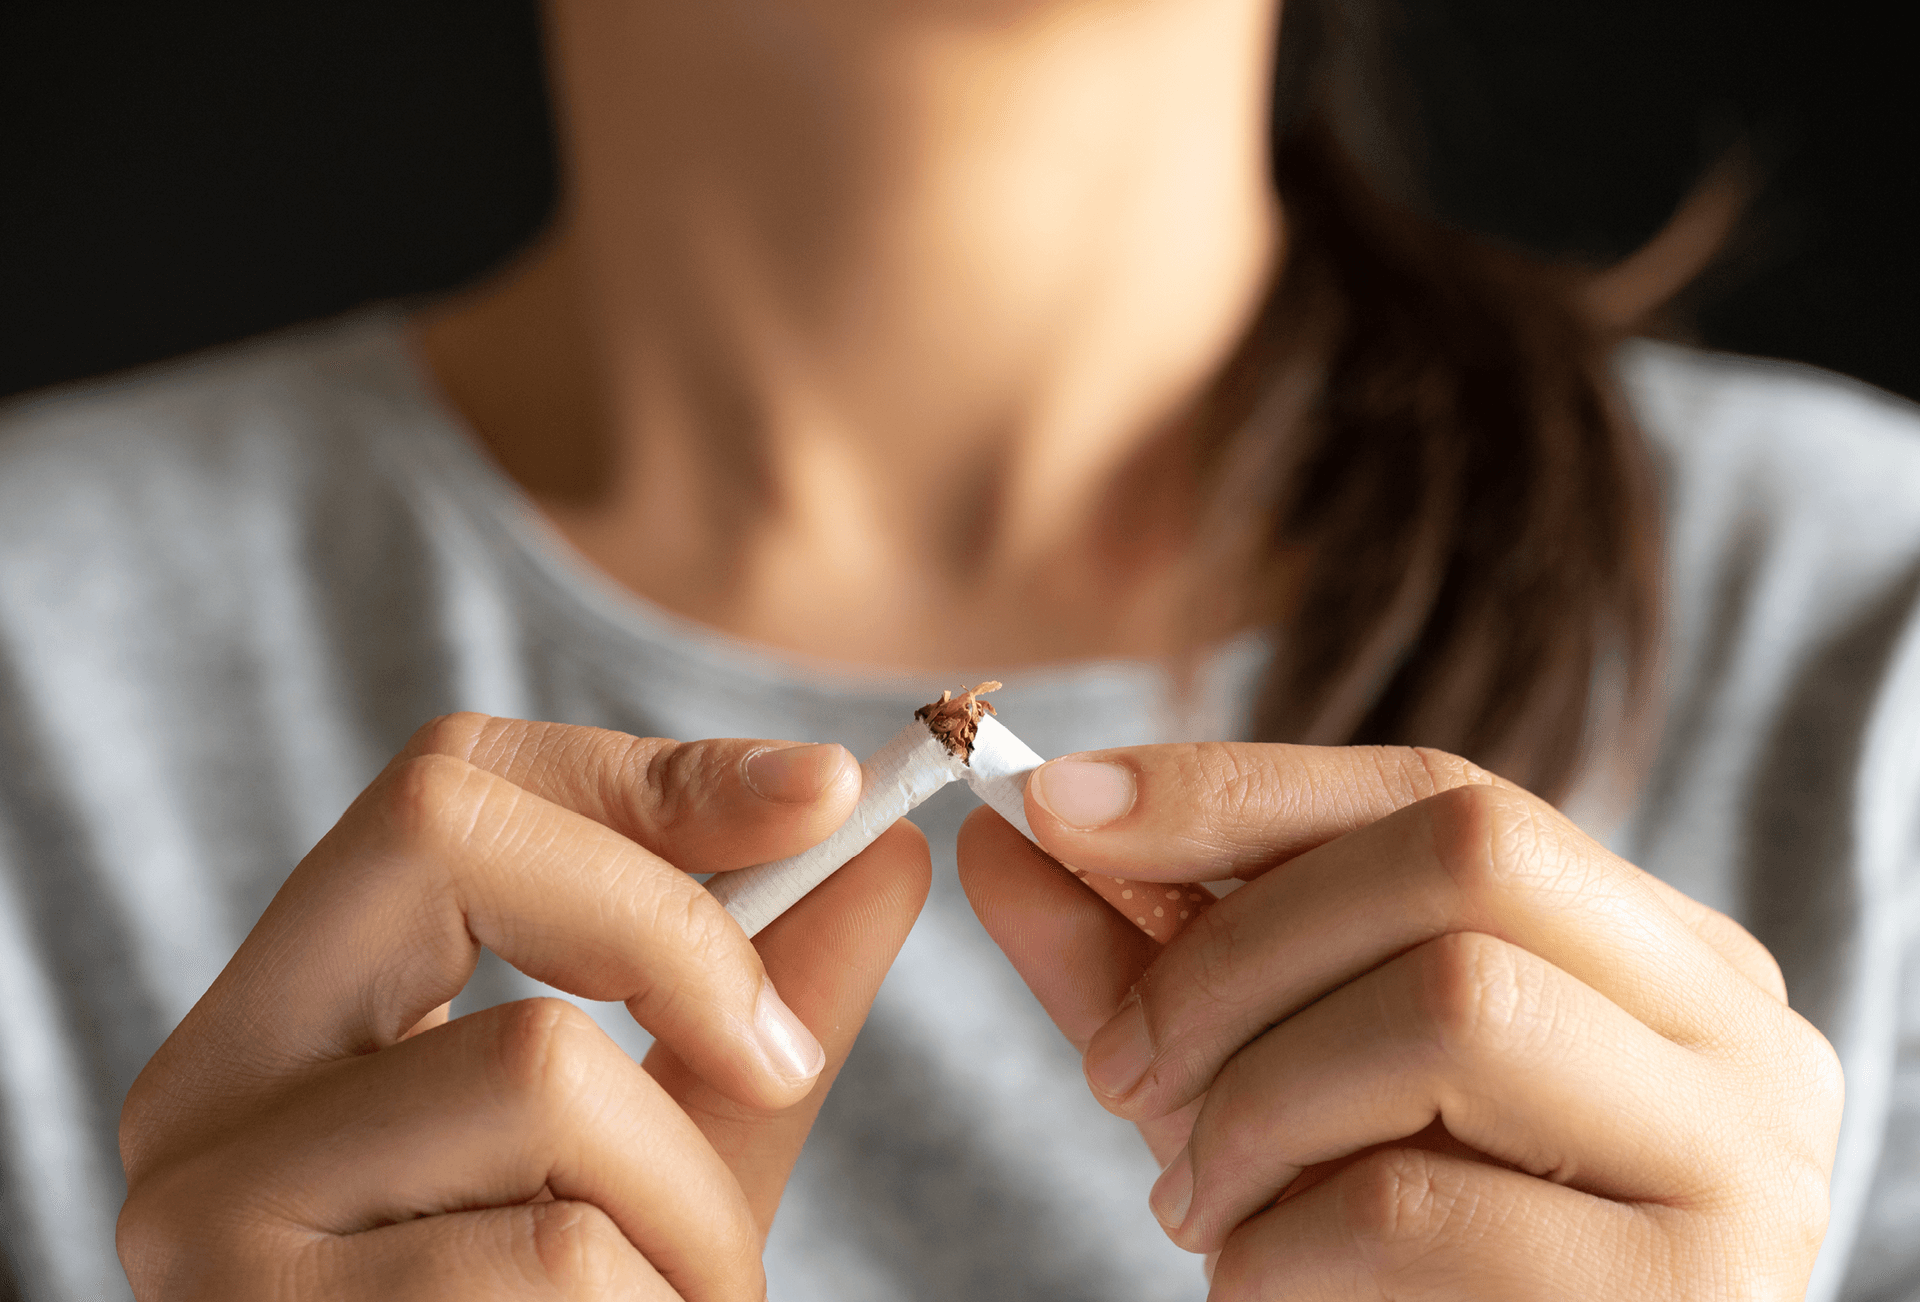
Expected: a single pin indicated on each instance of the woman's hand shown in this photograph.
(317, 1128)
(1441, 1045)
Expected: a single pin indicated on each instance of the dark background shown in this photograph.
(179, 175)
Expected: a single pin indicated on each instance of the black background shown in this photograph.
(180, 175)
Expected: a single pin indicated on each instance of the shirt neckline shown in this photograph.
(457, 463)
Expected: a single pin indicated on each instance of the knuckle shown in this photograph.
(581, 1252)
(542, 1051)
(1825, 1092)
(174, 1237)
(1767, 971)
(1473, 993)
(707, 939)
(1808, 1091)
(1409, 774)
(428, 796)
(705, 930)
(1488, 840)
(676, 782)
(1397, 1204)
(139, 1121)
(450, 734)
(144, 1237)
(1243, 787)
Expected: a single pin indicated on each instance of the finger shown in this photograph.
(1479, 859)
(1201, 812)
(1077, 955)
(829, 954)
(1406, 1223)
(437, 1017)
(385, 920)
(1211, 810)
(1727, 938)
(704, 806)
(1515, 1058)
(494, 1109)
(546, 1252)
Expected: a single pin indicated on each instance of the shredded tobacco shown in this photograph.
(955, 719)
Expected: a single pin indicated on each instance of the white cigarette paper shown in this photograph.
(900, 775)
(912, 766)
(998, 771)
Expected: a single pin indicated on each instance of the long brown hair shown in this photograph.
(1447, 488)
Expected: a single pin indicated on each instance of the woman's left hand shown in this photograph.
(1441, 1045)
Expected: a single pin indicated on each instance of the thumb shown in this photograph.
(826, 956)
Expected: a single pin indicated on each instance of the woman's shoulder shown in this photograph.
(196, 420)
(168, 506)
(184, 466)
(1793, 608)
(1782, 437)
(1792, 497)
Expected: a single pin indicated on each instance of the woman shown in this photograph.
(874, 344)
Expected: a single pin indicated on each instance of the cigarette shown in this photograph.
(953, 738)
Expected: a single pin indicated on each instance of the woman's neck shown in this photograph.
(857, 312)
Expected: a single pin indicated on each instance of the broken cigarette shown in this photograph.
(953, 738)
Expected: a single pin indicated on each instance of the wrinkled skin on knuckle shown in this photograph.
(1212, 974)
(1771, 977)
(1399, 1207)
(709, 942)
(720, 948)
(1788, 1179)
(142, 1125)
(579, 1251)
(454, 735)
(1493, 844)
(541, 1050)
(679, 782)
(1820, 1085)
(1400, 776)
(704, 928)
(183, 1234)
(147, 1240)
(430, 803)
(1474, 998)
(1793, 1091)
(529, 750)
(1802, 1199)
(1743, 1253)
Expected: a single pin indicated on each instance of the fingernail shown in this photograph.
(1173, 1193)
(1120, 1052)
(1207, 1263)
(1083, 794)
(788, 1046)
(792, 775)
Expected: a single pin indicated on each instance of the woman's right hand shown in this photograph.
(317, 1128)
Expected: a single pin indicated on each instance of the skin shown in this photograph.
(317, 1128)
(854, 313)
(1441, 1045)
(828, 341)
